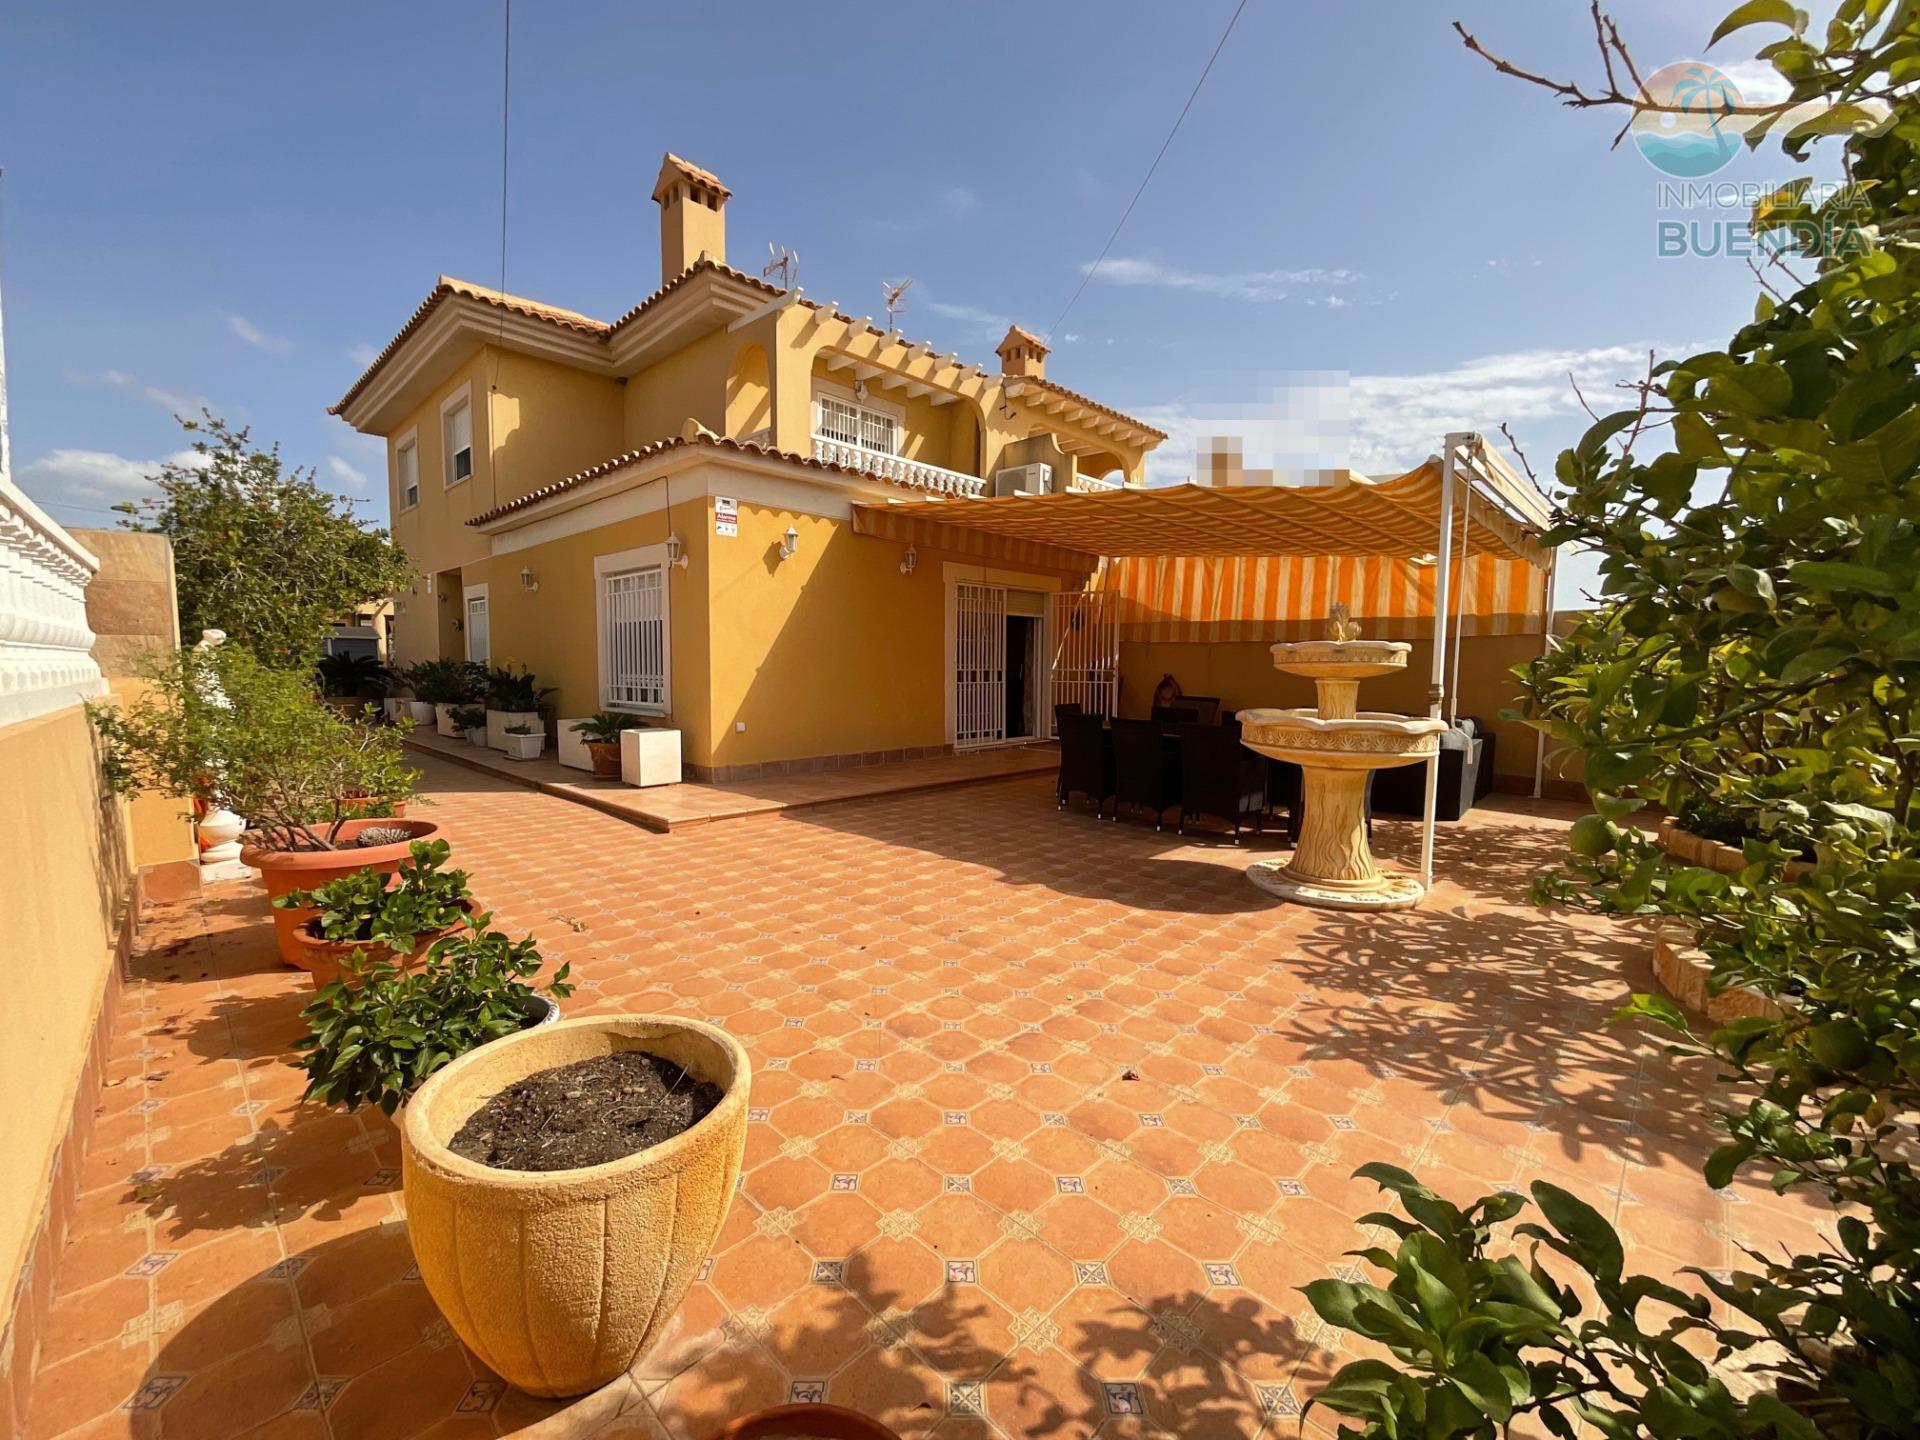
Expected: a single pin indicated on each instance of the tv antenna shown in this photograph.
(785, 262)
(896, 294)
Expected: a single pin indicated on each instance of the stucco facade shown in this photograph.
(719, 423)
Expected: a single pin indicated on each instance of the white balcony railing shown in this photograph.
(896, 468)
(46, 649)
(1088, 482)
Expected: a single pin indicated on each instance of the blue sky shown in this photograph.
(235, 204)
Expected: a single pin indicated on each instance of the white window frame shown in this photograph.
(622, 562)
(407, 442)
(895, 415)
(460, 397)
(468, 594)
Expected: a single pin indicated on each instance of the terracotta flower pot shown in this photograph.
(327, 960)
(606, 758)
(559, 1281)
(805, 1422)
(358, 804)
(284, 870)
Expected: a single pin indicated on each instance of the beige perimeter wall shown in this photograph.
(67, 854)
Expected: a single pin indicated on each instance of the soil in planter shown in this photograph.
(586, 1113)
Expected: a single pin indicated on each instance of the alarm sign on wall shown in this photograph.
(726, 516)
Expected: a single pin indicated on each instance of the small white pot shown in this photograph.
(422, 711)
(476, 736)
(443, 721)
(499, 720)
(569, 748)
(526, 747)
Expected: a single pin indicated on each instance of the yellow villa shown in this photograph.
(657, 514)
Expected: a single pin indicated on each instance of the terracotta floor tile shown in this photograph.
(997, 1220)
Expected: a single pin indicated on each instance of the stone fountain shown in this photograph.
(1336, 746)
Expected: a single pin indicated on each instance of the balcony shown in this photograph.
(897, 468)
(1090, 483)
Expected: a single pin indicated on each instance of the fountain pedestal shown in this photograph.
(1336, 746)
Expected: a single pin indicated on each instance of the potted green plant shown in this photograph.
(215, 727)
(601, 732)
(370, 917)
(444, 683)
(350, 683)
(524, 742)
(375, 1042)
(512, 699)
(470, 722)
(417, 680)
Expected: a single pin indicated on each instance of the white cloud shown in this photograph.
(174, 402)
(1385, 424)
(958, 200)
(95, 477)
(253, 335)
(1758, 81)
(978, 321)
(346, 474)
(362, 355)
(1257, 286)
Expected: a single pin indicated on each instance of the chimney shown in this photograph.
(693, 217)
(1021, 353)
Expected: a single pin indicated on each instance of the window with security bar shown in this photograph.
(633, 665)
(851, 424)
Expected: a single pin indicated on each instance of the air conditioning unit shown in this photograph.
(1033, 479)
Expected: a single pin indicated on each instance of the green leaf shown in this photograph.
(1591, 1238)
(1753, 12)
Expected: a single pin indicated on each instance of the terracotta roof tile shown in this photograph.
(1080, 399)
(448, 286)
(661, 447)
(671, 162)
(1020, 335)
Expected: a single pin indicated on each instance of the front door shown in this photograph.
(477, 641)
(979, 665)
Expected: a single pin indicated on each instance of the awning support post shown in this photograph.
(1547, 643)
(1436, 688)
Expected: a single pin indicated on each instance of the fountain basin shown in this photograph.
(1341, 659)
(1367, 740)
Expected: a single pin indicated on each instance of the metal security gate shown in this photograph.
(1084, 637)
(979, 666)
(634, 663)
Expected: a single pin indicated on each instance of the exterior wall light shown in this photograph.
(909, 561)
(676, 555)
(528, 579)
(789, 543)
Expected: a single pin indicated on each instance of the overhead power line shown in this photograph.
(1094, 269)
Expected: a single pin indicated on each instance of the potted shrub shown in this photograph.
(512, 699)
(216, 727)
(375, 1042)
(514, 1153)
(350, 683)
(445, 683)
(524, 742)
(470, 721)
(367, 917)
(601, 732)
(419, 704)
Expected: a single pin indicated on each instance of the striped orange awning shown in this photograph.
(1355, 516)
(1258, 562)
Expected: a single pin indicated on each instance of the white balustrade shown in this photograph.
(896, 468)
(1091, 483)
(46, 647)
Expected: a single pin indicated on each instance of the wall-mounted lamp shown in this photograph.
(676, 556)
(909, 560)
(789, 543)
(528, 579)
(445, 595)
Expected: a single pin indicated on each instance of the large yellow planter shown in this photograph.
(561, 1280)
